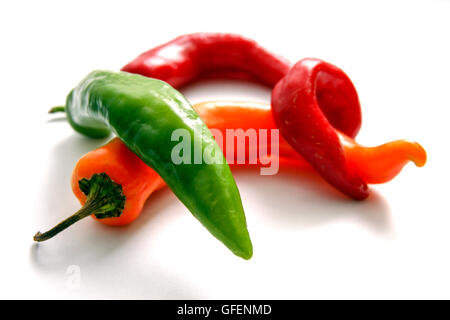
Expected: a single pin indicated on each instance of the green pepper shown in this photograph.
(143, 113)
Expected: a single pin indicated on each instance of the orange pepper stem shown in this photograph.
(104, 200)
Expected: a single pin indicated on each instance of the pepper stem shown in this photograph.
(105, 199)
(57, 109)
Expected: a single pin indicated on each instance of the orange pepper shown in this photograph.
(373, 164)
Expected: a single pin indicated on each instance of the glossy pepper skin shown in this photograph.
(374, 164)
(144, 113)
(301, 104)
(204, 55)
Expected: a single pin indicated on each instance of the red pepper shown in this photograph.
(332, 102)
(204, 55)
(306, 106)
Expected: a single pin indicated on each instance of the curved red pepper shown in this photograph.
(203, 55)
(306, 106)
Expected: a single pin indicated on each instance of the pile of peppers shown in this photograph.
(314, 105)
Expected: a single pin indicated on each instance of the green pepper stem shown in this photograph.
(104, 200)
(57, 109)
(88, 209)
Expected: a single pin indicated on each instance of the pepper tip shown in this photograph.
(419, 156)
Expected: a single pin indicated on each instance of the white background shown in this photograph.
(309, 242)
